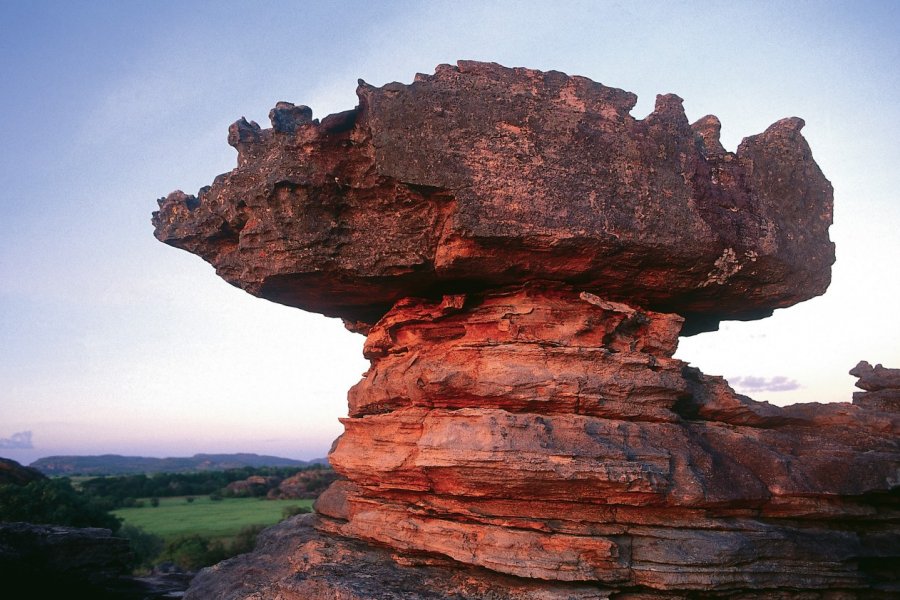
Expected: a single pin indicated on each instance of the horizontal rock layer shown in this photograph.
(881, 385)
(295, 561)
(548, 434)
(480, 176)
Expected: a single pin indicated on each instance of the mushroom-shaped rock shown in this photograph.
(523, 255)
(481, 176)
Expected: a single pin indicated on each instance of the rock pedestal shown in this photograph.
(522, 255)
(549, 434)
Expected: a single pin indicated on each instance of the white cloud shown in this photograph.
(752, 383)
(17, 441)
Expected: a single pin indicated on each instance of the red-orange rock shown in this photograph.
(522, 255)
(480, 175)
(527, 421)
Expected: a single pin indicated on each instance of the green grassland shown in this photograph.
(213, 519)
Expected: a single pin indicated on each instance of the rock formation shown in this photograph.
(47, 561)
(882, 387)
(522, 255)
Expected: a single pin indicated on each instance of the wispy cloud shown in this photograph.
(752, 383)
(18, 441)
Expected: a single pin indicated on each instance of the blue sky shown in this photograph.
(113, 342)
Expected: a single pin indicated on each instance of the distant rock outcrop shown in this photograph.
(255, 485)
(306, 484)
(882, 387)
(522, 255)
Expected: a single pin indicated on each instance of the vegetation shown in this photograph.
(53, 502)
(213, 519)
(289, 511)
(203, 532)
(191, 519)
(193, 551)
(122, 491)
(146, 547)
(114, 464)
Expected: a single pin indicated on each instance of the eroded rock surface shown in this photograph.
(480, 175)
(881, 385)
(548, 434)
(295, 561)
(522, 255)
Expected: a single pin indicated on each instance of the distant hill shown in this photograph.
(12, 472)
(114, 464)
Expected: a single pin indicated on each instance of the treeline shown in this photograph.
(53, 502)
(124, 490)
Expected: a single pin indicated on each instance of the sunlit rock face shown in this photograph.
(522, 255)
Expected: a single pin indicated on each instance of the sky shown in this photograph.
(111, 342)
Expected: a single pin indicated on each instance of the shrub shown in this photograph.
(193, 552)
(245, 541)
(145, 547)
(154, 501)
(289, 511)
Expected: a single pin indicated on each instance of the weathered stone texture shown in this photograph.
(522, 255)
(480, 175)
(881, 385)
(551, 435)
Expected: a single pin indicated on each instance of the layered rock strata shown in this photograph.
(522, 255)
(881, 385)
(549, 434)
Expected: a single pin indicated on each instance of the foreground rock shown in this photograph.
(295, 561)
(548, 434)
(522, 255)
(49, 561)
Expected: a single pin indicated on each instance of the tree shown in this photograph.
(52, 502)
